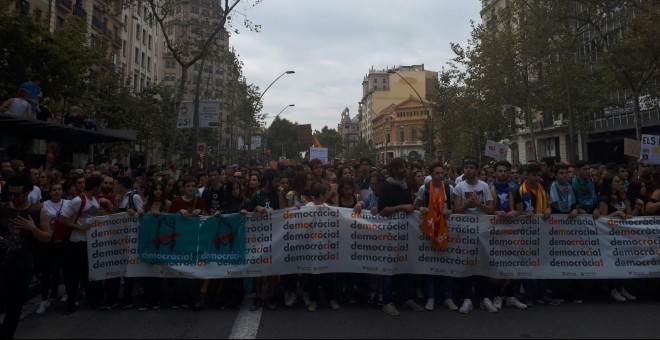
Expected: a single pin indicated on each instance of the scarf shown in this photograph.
(400, 183)
(585, 193)
(504, 195)
(563, 195)
(434, 223)
(539, 194)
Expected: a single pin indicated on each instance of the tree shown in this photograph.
(629, 49)
(330, 139)
(193, 44)
(282, 138)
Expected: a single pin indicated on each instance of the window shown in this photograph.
(149, 64)
(195, 10)
(141, 83)
(137, 32)
(143, 56)
(123, 48)
(414, 135)
(60, 22)
(144, 37)
(170, 76)
(401, 136)
(150, 40)
(219, 83)
(125, 23)
(169, 63)
(137, 56)
(135, 82)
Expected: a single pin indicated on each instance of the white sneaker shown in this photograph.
(466, 307)
(497, 302)
(43, 305)
(306, 299)
(488, 305)
(451, 305)
(411, 304)
(64, 298)
(429, 304)
(614, 294)
(513, 301)
(290, 299)
(390, 309)
(627, 295)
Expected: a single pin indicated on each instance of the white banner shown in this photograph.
(496, 150)
(318, 153)
(650, 149)
(320, 240)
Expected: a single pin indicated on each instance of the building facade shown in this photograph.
(387, 88)
(349, 129)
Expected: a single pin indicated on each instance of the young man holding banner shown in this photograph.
(473, 196)
(434, 202)
(395, 198)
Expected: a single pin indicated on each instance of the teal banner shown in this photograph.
(168, 238)
(222, 239)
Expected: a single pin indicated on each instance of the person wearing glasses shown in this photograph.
(21, 225)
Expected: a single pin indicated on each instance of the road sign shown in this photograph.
(209, 114)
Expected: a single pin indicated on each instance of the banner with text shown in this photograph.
(329, 239)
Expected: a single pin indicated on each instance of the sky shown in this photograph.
(332, 44)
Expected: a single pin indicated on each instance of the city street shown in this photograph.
(593, 319)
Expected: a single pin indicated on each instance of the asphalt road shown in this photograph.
(593, 319)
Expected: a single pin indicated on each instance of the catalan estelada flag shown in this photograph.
(317, 143)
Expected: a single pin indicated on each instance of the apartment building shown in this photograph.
(546, 135)
(141, 46)
(395, 100)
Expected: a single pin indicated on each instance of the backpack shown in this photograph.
(131, 203)
(63, 233)
(447, 194)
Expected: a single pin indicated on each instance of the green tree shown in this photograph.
(282, 139)
(331, 139)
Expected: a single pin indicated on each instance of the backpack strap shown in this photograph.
(83, 201)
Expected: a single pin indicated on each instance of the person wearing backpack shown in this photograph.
(21, 224)
(507, 204)
(74, 216)
(438, 200)
(130, 202)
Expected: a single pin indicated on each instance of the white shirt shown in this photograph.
(53, 209)
(70, 211)
(137, 202)
(463, 190)
(35, 195)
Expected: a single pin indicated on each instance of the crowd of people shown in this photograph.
(43, 215)
(30, 103)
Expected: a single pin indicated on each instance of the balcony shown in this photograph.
(80, 13)
(99, 24)
(65, 4)
(626, 121)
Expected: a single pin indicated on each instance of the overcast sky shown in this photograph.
(332, 44)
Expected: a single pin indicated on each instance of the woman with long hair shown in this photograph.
(614, 202)
(254, 183)
(50, 253)
(156, 203)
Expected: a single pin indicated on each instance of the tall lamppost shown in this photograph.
(262, 95)
(430, 137)
(271, 124)
(271, 84)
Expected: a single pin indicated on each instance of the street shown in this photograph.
(593, 319)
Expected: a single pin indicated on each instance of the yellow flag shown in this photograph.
(317, 143)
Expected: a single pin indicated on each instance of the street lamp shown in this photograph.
(271, 84)
(430, 141)
(271, 124)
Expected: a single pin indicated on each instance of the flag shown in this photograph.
(317, 143)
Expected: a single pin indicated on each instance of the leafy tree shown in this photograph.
(331, 139)
(282, 136)
(626, 41)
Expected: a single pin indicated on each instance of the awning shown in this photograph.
(38, 129)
